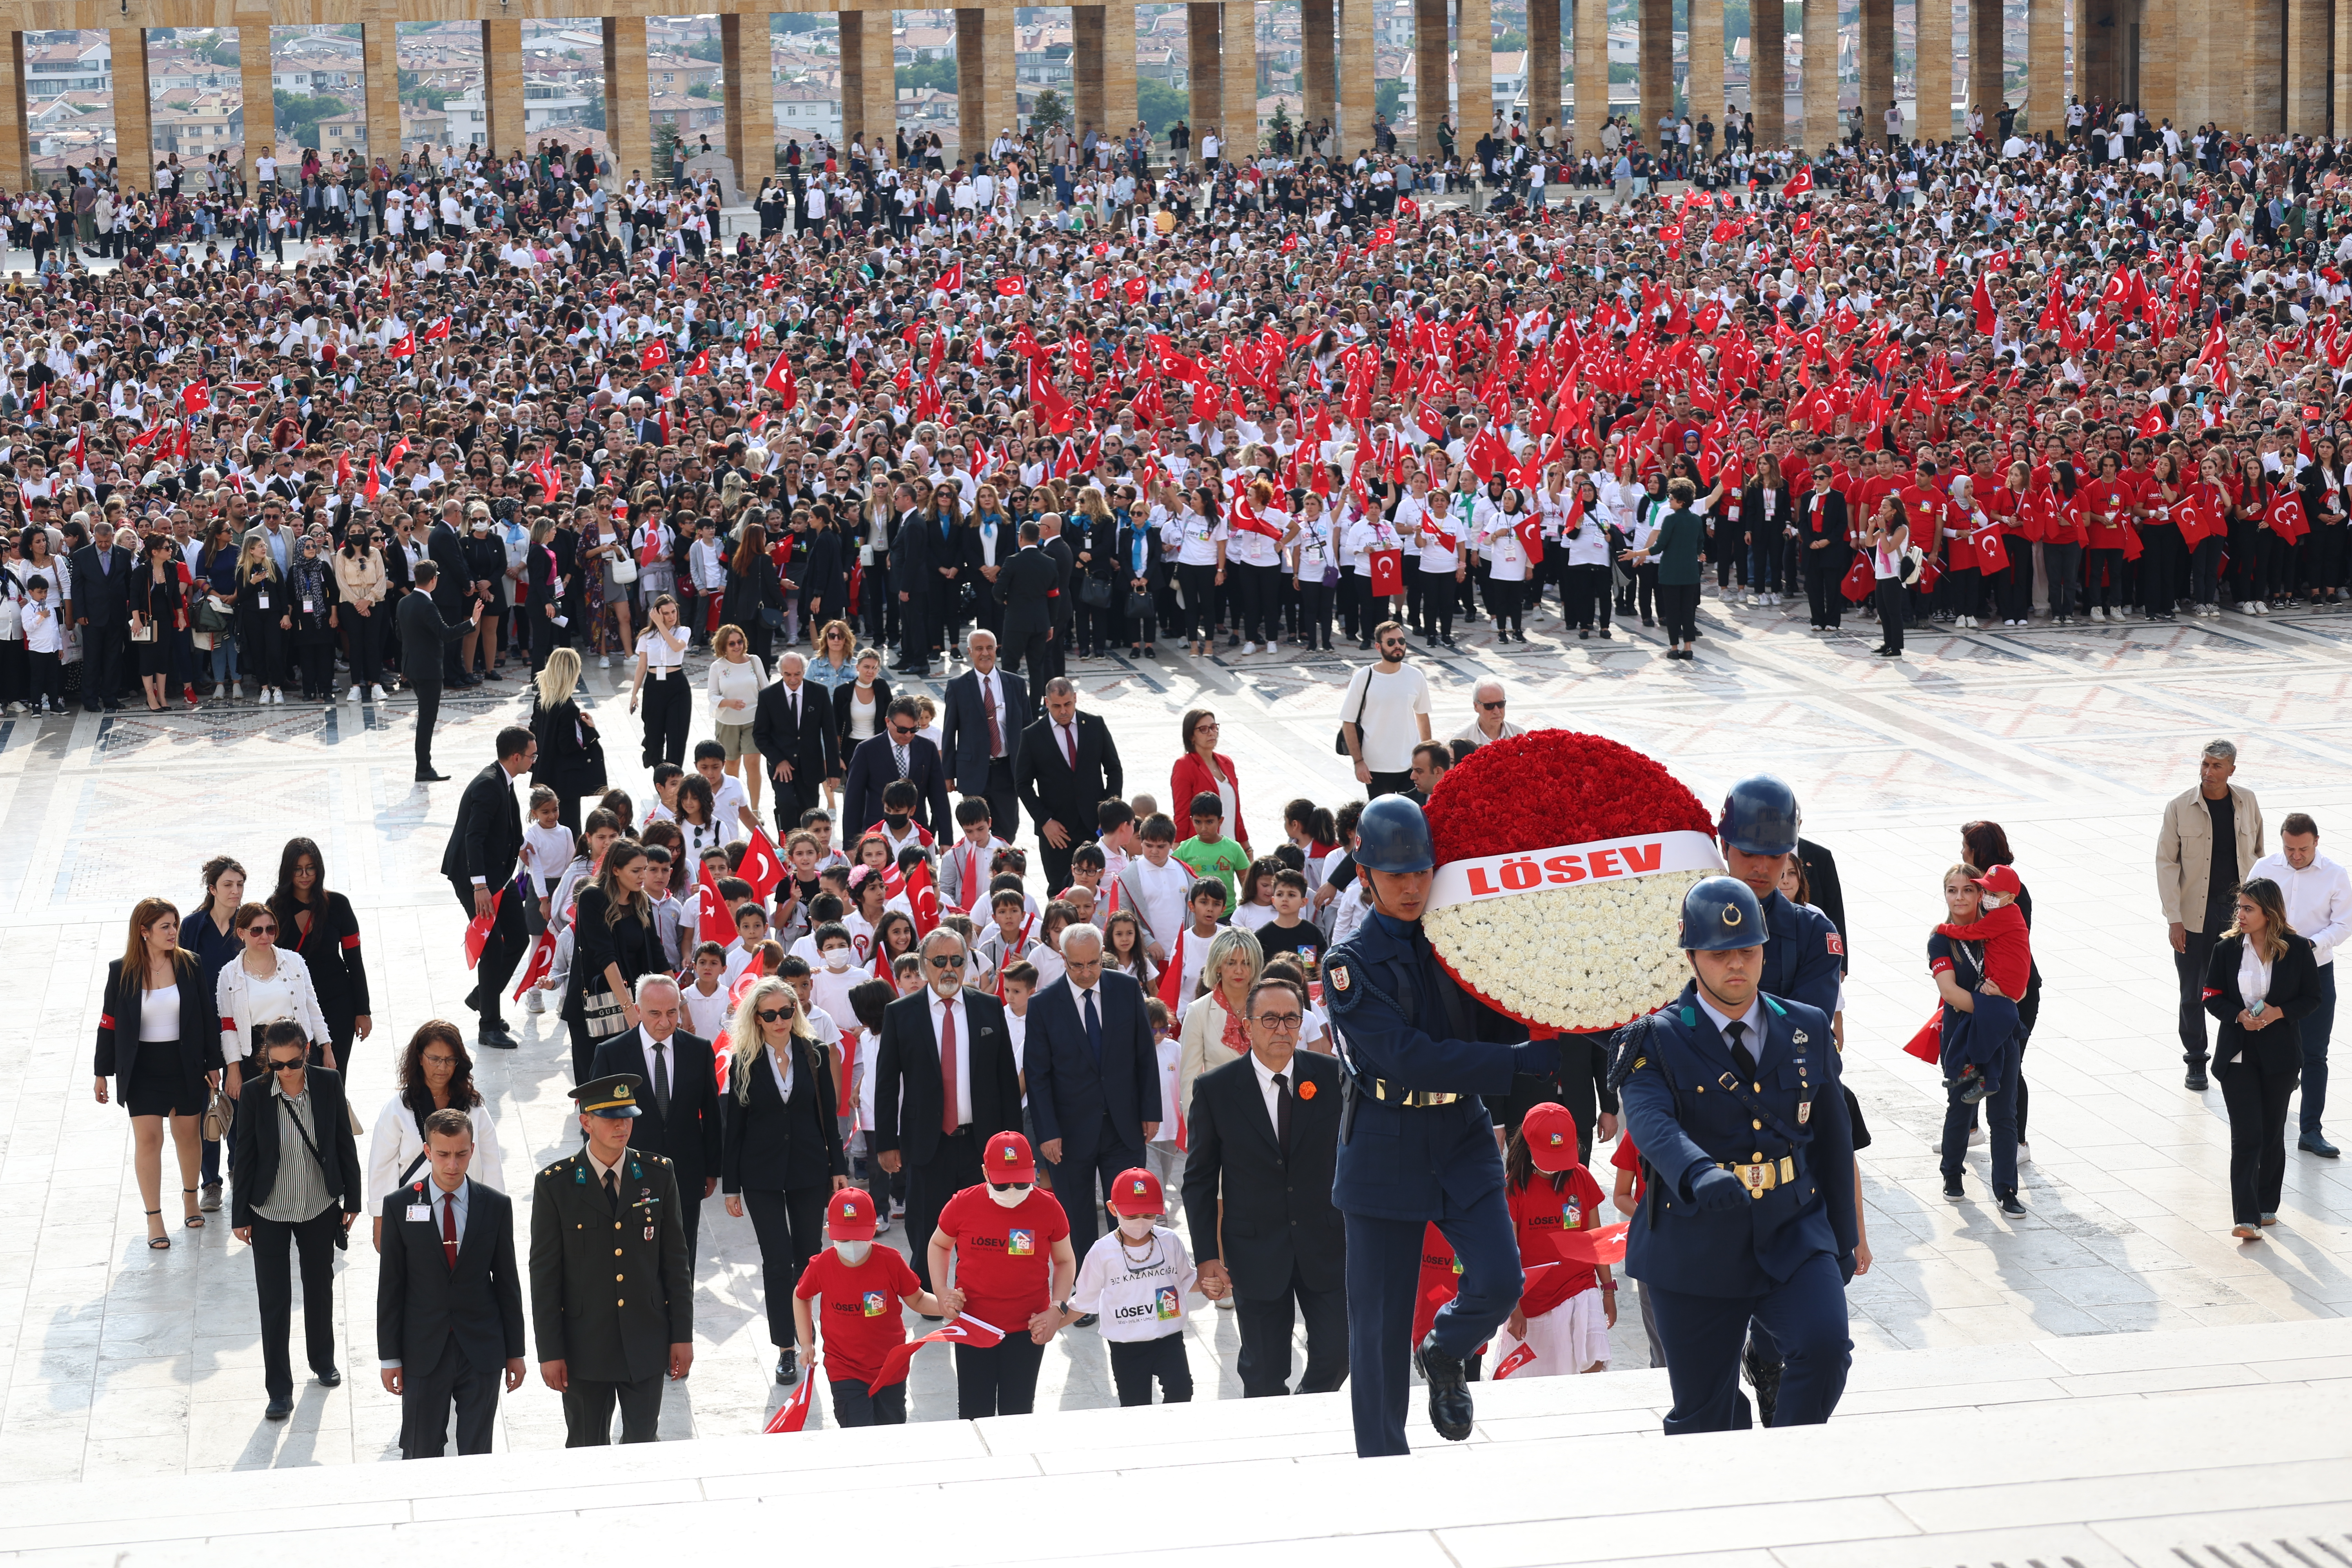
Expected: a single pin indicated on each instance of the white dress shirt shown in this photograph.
(992, 686)
(940, 1008)
(1754, 1018)
(440, 1202)
(1271, 1095)
(2318, 899)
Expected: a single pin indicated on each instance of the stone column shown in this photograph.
(628, 114)
(134, 132)
(1432, 71)
(1878, 66)
(1543, 67)
(852, 76)
(2045, 67)
(1118, 107)
(2160, 59)
(1985, 60)
(1086, 68)
(1204, 73)
(1767, 70)
(1319, 78)
(380, 73)
(16, 136)
(1656, 66)
(253, 71)
(2272, 84)
(2307, 38)
(973, 132)
(1001, 103)
(502, 88)
(750, 108)
(1355, 123)
(1706, 61)
(1934, 75)
(2339, 86)
(1475, 73)
(1237, 94)
(1821, 74)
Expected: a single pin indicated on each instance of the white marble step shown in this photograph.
(2113, 1449)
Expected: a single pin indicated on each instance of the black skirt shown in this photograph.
(159, 1082)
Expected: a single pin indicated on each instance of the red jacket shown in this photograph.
(1191, 777)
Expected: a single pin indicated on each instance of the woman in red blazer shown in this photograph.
(1203, 770)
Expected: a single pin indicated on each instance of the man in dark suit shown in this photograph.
(1821, 549)
(1265, 1131)
(1064, 601)
(295, 1172)
(448, 1300)
(678, 1107)
(1025, 588)
(1769, 512)
(1067, 767)
(453, 585)
(910, 579)
(945, 1082)
(424, 641)
(1092, 1072)
(791, 724)
(479, 861)
(610, 1320)
(896, 754)
(99, 583)
(981, 730)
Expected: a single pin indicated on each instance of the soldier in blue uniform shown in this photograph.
(1733, 1096)
(1416, 1144)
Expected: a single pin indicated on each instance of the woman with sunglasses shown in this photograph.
(265, 985)
(780, 1156)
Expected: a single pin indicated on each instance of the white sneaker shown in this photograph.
(603, 661)
(534, 1000)
(1249, 648)
(2262, 607)
(1976, 1136)
(353, 695)
(2097, 614)
(375, 694)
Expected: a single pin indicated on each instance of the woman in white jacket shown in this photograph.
(264, 984)
(436, 1073)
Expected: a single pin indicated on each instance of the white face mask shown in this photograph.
(853, 1252)
(1010, 1198)
(1136, 1227)
(837, 959)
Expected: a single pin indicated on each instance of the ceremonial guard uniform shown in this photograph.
(1416, 1148)
(1748, 1202)
(611, 1292)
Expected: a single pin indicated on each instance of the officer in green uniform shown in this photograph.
(611, 1298)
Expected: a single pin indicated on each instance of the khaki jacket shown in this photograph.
(362, 577)
(2184, 852)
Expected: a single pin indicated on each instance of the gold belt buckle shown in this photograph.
(1757, 1177)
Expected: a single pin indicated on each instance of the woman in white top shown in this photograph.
(669, 706)
(1313, 569)
(1888, 537)
(1586, 545)
(1499, 544)
(435, 1074)
(734, 688)
(263, 985)
(1201, 541)
(861, 701)
(1446, 529)
(1254, 567)
(1366, 535)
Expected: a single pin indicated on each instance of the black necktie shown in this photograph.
(1734, 1036)
(1282, 1111)
(613, 1187)
(661, 1079)
(1093, 1027)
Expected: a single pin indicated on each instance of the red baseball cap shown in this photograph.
(1137, 1191)
(2001, 879)
(1008, 1158)
(849, 1216)
(1549, 1130)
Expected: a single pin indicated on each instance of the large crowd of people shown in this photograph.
(1261, 403)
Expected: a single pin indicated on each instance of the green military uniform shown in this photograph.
(610, 1287)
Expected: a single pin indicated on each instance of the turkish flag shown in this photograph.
(923, 898)
(477, 929)
(1385, 235)
(1860, 581)
(403, 346)
(1927, 1045)
(657, 356)
(951, 280)
(1513, 1362)
(1013, 287)
(1388, 573)
(1530, 531)
(793, 1413)
(374, 486)
(701, 365)
(963, 1331)
(760, 866)
(782, 382)
(541, 963)
(711, 921)
(1605, 1245)
(1987, 316)
(436, 332)
(1801, 183)
(1137, 291)
(1991, 555)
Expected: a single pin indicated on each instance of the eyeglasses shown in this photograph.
(1010, 1186)
(947, 961)
(1281, 1020)
(770, 1014)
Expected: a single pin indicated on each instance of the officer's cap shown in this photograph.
(611, 1098)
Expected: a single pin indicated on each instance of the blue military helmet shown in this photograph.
(1393, 836)
(1720, 913)
(1760, 816)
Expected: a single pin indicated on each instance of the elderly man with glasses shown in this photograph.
(1488, 701)
(945, 1082)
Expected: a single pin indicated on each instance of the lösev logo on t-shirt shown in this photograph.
(1020, 1243)
(876, 1303)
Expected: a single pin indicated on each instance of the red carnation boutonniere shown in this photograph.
(1307, 1091)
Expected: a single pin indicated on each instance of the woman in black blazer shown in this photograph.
(859, 690)
(319, 925)
(753, 586)
(780, 1154)
(566, 764)
(158, 1039)
(2259, 983)
(613, 943)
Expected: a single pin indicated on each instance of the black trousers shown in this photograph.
(275, 1245)
(853, 1407)
(428, 714)
(1025, 647)
(2257, 1099)
(1266, 1322)
(1678, 607)
(1074, 1177)
(2190, 968)
(367, 647)
(1001, 1380)
(1823, 596)
(1135, 1362)
(452, 610)
(792, 798)
(588, 1412)
(1003, 799)
(953, 1166)
(500, 953)
(1055, 863)
(789, 1226)
(1502, 603)
(1200, 585)
(668, 711)
(946, 620)
(1890, 613)
(914, 628)
(427, 1396)
(101, 672)
(1584, 595)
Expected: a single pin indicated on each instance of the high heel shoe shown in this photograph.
(196, 1221)
(158, 1243)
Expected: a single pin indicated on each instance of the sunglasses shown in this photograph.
(260, 929)
(1281, 1020)
(1490, 707)
(770, 1014)
(947, 961)
(1010, 1186)
(295, 1065)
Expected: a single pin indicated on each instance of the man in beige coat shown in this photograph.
(2210, 839)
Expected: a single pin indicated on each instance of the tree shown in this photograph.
(592, 117)
(297, 117)
(798, 22)
(938, 75)
(1049, 110)
(1279, 125)
(1159, 104)
(1388, 100)
(700, 89)
(703, 49)
(665, 150)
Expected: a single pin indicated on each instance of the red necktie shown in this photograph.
(449, 1229)
(995, 735)
(947, 1120)
(1069, 746)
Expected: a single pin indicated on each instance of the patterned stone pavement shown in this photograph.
(117, 1361)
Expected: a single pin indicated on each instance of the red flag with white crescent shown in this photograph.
(965, 1329)
(793, 1413)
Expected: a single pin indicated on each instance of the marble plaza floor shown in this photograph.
(118, 1364)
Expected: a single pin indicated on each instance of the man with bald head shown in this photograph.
(678, 1106)
(1092, 1072)
(1488, 704)
(793, 726)
(981, 726)
(1067, 766)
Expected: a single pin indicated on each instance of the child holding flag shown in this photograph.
(1566, 1309)
(856, 1290)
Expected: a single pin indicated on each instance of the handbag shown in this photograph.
(220, 1116)
(144, 633)
(211, 616)
(1340, 741)
(624, 570)
(1094, 592)
(601, 1010)
(593, 779)
(1139, 604)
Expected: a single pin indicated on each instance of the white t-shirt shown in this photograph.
(1161, 890)
(706, 1016)
(1392, 707)
(1140, 1296)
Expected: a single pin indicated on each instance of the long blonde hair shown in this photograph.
(561, 679)
(745, 1040)
(1222, 947)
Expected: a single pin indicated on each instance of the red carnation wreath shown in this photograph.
(1562, 860)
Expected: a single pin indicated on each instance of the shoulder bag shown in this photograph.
(1094, 592)
(1340, 741)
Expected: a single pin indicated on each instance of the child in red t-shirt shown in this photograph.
(858, 1290)
(1566, 1309)
(1009, 1245)
(2009, 946)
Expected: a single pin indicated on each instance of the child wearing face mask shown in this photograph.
(1008, 1247)
(1136, 1278)
(856, 1290)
